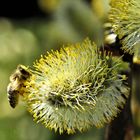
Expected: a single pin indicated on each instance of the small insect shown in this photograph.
(17, 79)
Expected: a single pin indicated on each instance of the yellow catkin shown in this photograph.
(75, 88)
(125, 18)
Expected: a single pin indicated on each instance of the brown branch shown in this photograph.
(121, 128)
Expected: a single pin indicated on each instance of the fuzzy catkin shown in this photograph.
(125, 18)
(75, 88)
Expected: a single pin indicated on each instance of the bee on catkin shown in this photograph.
(17, 79)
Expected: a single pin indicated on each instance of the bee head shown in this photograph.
(24, 71)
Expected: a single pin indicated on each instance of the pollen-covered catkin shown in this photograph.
(75, 88)
(125, 18)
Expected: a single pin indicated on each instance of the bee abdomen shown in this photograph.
(13, 96)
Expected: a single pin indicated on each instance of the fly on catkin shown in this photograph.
(75, 88)
(125, 18)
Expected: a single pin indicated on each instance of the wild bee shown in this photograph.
(17, 79)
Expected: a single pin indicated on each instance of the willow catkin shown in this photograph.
(75, 88)
(125, 18)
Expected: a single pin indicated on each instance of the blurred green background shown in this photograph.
(23, 40)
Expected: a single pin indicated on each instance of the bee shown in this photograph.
(14, 88)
